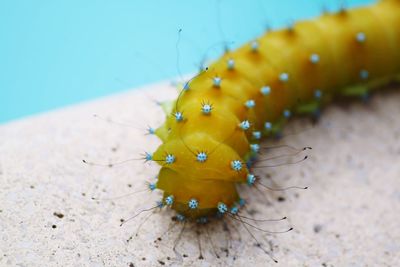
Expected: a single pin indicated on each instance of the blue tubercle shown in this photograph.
(250, 103)
(268, 126)
(255, 148)
(361, 37)
(314, 58)
(178, 116)
(287, 113)
(193, 203)
(244, 125)
(150, 130)
(257, 135)
(251, 179)
(236, 165)
(169, 200)
(318, 94)
(217, 82)
(254, 46)
(222, 208)
(284, 77)
(148, 156)
(265, 90)
(231, 64)
(234, 210)
(152, 186)
(206, 109)
(201, 157)
(169, 159)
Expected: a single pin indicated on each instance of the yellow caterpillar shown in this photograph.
(212, 132)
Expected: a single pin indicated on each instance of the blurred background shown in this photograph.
(55, 53)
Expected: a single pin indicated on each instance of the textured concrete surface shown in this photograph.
(348, 217)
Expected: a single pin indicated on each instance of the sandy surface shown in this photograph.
(349, 216)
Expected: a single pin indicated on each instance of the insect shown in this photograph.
(213, 129)
(212, 133)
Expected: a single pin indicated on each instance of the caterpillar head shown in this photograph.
(214, 169)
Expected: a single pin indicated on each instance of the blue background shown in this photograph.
(55, 53)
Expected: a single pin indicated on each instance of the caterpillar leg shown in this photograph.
(312, 107)
(356, 91)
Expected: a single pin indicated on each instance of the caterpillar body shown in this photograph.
(211, 135)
